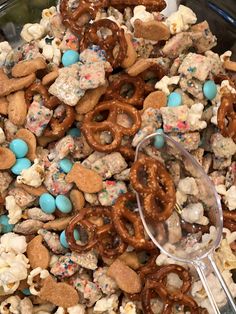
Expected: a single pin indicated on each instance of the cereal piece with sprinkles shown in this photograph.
(38, 117)
(175, 119)
(65, 267)
(111, 191)
(53, 241)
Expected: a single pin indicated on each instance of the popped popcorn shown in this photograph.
(107, 304)
(6, 54)
(33, 176)
(14, 211)
(129, 308)
(43, 273)
(188, 185)
(222, 147)
(181, 20)
(32, 32)
(165, 82)
(50, 49)
(140, 13)
(194, 213)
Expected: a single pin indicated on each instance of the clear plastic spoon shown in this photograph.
(200, 253)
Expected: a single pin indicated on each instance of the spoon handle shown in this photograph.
(211, 267)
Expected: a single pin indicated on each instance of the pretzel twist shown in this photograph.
(114, 91)
(100, 237)
(155, 185)
(226, 116)
(115, 40)
(92, 129)
(122, 214)
(156, 285)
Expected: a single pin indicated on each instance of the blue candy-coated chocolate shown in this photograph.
(47, 203)
(174, 100)
(210, 90)
(66, 165)
(5, 227)
(20, 164)
(19, 147)
(26, 291)
(74, 132)
(63, 203)
(63, 239)
(70, 57)
(159, 140)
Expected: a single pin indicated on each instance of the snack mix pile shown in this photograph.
(89, 82)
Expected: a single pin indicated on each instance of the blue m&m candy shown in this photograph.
(19, 148)
(47, 203)
(209, 89)
(70, 57)
(63, 239)
(63, 203)
(20, 164)
(5, 227)
(26, 291)
(66, 165)
(174, 99)
(74, 132)
(159, 140)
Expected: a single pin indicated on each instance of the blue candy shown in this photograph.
(70, 57)
(20, 164)
(26, 291)
(63, 203)
(65, 165)
(47, 203)
(209, 89)
(174, 100)
(4, 223)
(74, 132)
(63, 239)
(19, 148)
(159, 140)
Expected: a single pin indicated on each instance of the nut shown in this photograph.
(77, 199)
(57, 224)
(90, 99)
(17, 108)
(7, 158)
(125, 277)
(131, 54)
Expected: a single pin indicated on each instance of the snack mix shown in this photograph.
(89, 82)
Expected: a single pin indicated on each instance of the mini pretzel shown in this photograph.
(155, 284)
(150, 178)
(114, 90)
(151, 75)
(109, 43)
(57, 127)
(227, 112)
(150, 5)
(78, 18)
(37, 88)
(91, 129)
(122, 214)
(97, 235)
